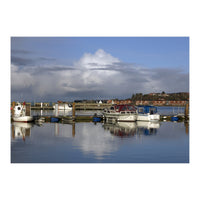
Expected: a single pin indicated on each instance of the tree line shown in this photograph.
(180, 96)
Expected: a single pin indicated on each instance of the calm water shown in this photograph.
(140, 142)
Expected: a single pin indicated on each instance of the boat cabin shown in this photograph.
(19, 109)
(147, 109)
(123, 108)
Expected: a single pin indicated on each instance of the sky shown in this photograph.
(75, 68)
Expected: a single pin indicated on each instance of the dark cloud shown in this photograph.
(22, 61)
(18, 51)
(59, 68)
(28, 58)
(46, 59)
(47, 69)
(172, 80)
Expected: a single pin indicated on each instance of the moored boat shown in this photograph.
(20, 113)
(119, 113)
(147, 113)
(55, 119)
(174, 118)
(62, 106)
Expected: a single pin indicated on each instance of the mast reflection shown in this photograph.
(186, 127)
(60, 129)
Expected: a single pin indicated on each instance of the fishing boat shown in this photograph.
(20, 113)
(62, 106)
(119, 113)
(147, 113)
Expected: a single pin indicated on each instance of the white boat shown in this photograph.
(62, 106)
(147, 113)
(20, 113)
(120, 113)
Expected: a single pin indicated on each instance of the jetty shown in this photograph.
(90, 118)
(91, 106)
(79, 106)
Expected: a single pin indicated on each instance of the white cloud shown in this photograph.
(95, 74)
(100, 59)
(20, 79)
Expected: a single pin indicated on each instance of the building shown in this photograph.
(128, 101)
(161, 103)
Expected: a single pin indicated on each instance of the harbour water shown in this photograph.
(138, 142)
(162, 110)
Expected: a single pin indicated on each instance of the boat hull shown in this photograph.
(148, 117)
(23, 119)
(121, 117)
(63, 107)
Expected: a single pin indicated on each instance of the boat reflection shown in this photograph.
(147, 128)
(60, 129)
(186, 127)
(129, 129)
(21, 130)
(62, 112)
(83, 142)
(121, 129)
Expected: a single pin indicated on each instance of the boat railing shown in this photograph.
(127, 112)
(110, 111)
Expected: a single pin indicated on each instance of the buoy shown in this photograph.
(96, 119)
(174, 118)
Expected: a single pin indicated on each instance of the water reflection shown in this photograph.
(21, 130)
(121, 129)
(129, 129)
(60, 129)
(62, 112)
(147, 128)
(186, 127)
(87, 142)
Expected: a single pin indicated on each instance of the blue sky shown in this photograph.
(94, 67)
(148, 51)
